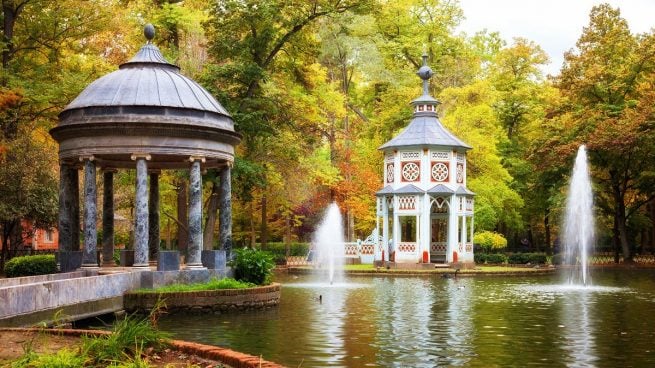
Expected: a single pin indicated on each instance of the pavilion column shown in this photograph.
(141, 215)
(385, 228)
(464, 235)
(195, 214)
(153, 215)
(89, 257)
(74, 180)
(452, 229)
(225, 211)
(108, 218)
(66, 199)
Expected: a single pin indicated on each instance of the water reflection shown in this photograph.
(578, 330)
(428, 322)
(405, 311)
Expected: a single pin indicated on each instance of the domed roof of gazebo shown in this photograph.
(146, 107)
(425, 129)
(147, 80)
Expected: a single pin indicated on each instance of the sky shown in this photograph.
(555, 25)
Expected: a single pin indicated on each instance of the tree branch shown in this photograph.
(181, 225)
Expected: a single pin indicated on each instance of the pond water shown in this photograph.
(428, 322)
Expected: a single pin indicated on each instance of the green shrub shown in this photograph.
(31, 265)
(490, 258)
(496, 258)
(538, 258)
(253, 266)
(279, 249)
(489, 240)
(523, 258)
(557, 259)
(480, 258)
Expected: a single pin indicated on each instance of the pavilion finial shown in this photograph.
(425, 73)
(149, 32)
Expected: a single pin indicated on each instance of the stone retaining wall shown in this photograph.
(215, 301)
(25, 280)
(47, 297)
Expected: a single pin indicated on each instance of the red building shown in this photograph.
(38, 239)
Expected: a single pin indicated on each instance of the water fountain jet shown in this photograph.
(579, 221)
(329, 243)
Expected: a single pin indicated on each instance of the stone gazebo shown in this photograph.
(148, 116)
(425, 207)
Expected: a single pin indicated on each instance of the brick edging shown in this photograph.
(233, 358)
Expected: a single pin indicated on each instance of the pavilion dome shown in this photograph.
(425, 129)
(147, 80)
(146, 107)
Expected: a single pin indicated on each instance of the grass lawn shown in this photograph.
(213, 284)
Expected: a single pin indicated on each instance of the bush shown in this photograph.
(480, 258)
(278, 249)
(254, 266)
(31, 265)
(490, 240)
(496, 258)
(557, 259)
(538, 258)
(523, 258)
(490, 258)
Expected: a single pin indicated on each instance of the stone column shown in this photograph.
(66, 199)
(194, 259)
(153, 215)
(108, 218)
(225, 211)
(141, 212)
(89, 257)
(74, 179)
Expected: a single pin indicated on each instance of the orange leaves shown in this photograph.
(9, 99)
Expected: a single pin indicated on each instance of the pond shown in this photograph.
(431, 321)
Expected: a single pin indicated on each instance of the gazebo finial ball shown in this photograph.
(149, 31)
(425, 72)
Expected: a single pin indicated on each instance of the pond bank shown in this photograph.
(50, 340)
(366, 270)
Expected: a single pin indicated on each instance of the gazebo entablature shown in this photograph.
(425, 208)
(145, 116)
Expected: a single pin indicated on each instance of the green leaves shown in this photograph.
(251, 265)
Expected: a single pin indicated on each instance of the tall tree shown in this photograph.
(609, 106)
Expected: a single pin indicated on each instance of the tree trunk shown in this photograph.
(287, 235)
(615, 241)
(182, 216)
(351, 226)
(652, 223)
(549, 249)
(210, 223)
(263, 237)
(253, 235)
(622, 228)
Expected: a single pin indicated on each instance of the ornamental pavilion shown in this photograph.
(424, 205)
(145, 116)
